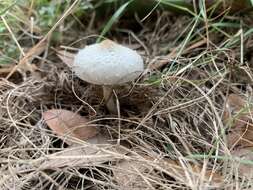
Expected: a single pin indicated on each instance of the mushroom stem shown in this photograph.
(109, 99)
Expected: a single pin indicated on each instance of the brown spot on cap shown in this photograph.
(107, 44)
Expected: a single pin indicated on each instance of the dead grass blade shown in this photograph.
(66, 57)
(43, 40)
(24, 63)
(174, 52)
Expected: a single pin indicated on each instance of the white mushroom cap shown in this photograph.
(107, 63)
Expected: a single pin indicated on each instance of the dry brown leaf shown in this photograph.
(234, 104)
(135, 173)
(244, 169)
(240, 136)
(66, 57)
(8, 69)
(131, 174)
(67, 124)
(241, 131)
(98, 150)
(176, 170)
(24, 63)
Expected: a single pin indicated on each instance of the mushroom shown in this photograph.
(108, 64)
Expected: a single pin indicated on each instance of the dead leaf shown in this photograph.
(234, 103)
(98, 150)
(68, 125)
(139, 172)
(66, 57)
(25, 63)
(133, 174)
(177, 170)
(6, 69)
(240, 136)
(237, 113)
(245, 163)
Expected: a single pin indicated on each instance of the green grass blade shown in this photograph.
(236, 38)
(178, 4)
(223, 158)
(187, 39)
(113, 19)
(251, 1)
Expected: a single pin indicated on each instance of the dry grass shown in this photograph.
(173, 112)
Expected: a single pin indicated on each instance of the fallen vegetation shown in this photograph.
(185, 123)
